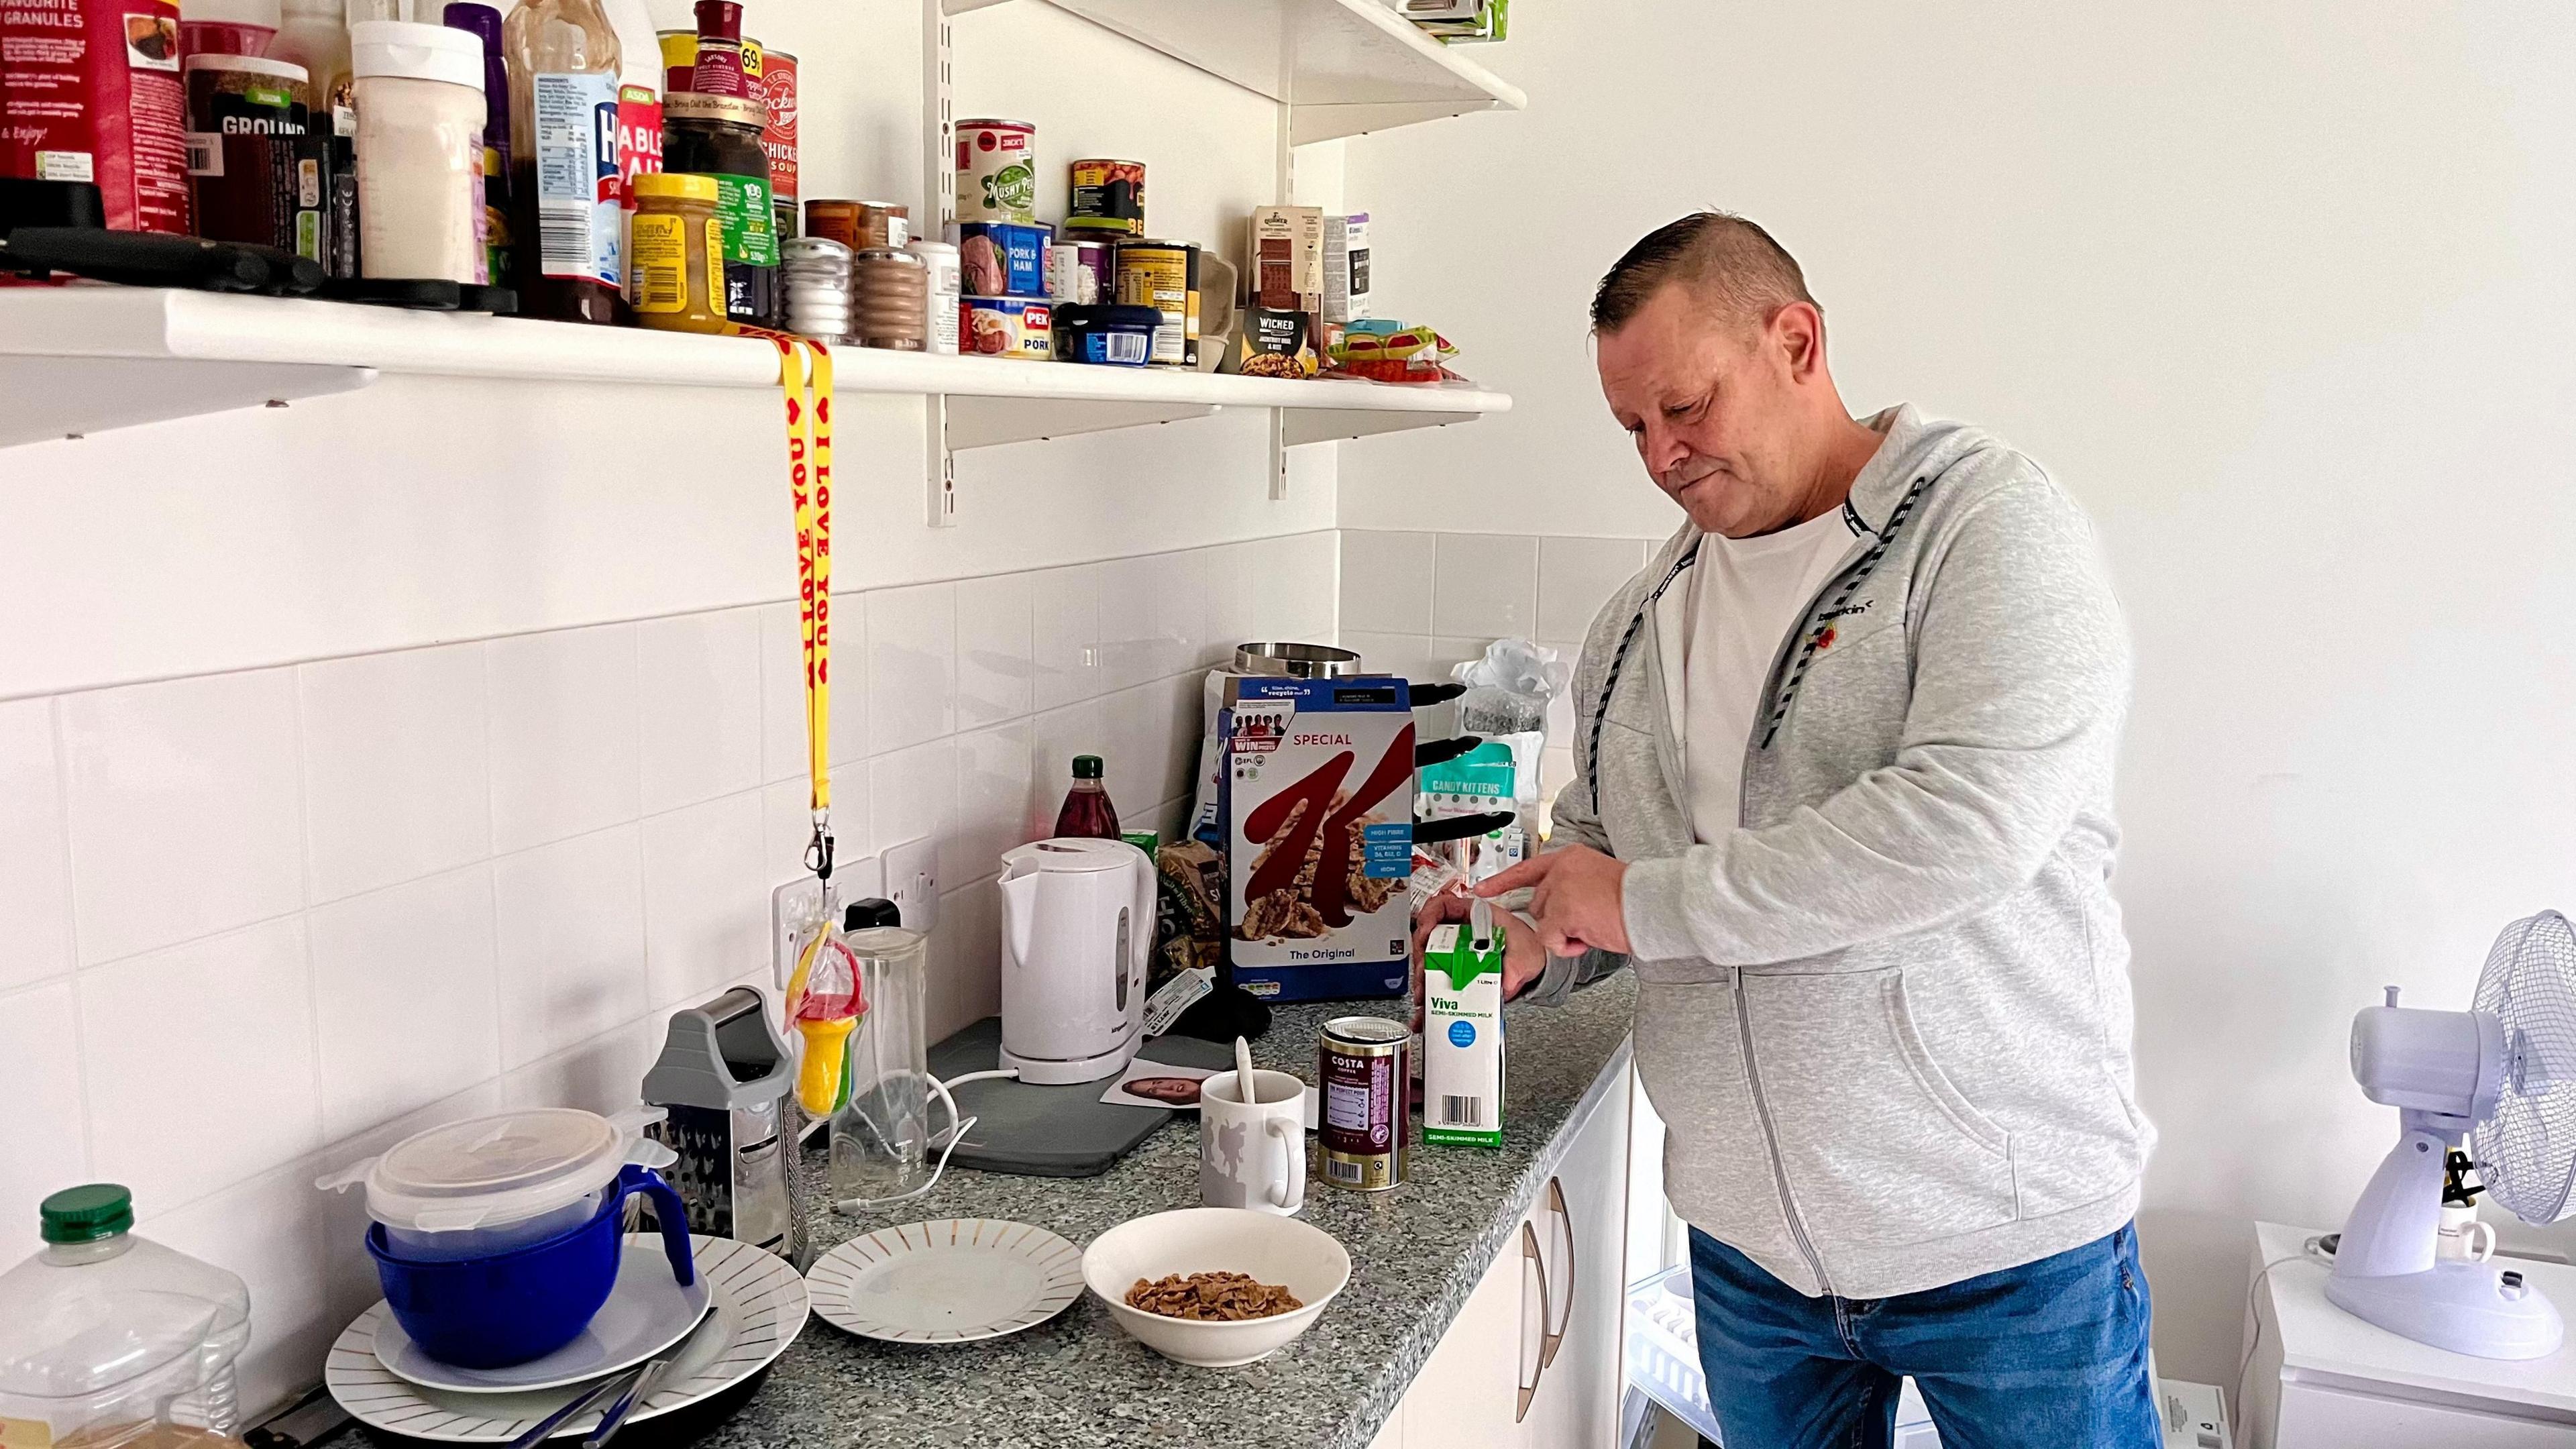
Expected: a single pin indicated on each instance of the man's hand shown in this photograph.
(1577, 900)
(1522, 958)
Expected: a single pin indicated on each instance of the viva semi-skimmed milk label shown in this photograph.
(1462, 1032)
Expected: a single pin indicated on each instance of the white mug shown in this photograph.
(2464, 1239)
(1253, 1155)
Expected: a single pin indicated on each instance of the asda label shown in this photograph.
(742, 208)
(579, 188)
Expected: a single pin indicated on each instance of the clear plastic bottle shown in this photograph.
(882, 1133)
(1086, 811)
(564, 176)
(109, 1340)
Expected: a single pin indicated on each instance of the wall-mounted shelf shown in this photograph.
(1343, 67)
(85, 359)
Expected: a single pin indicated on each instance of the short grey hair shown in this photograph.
(1730, 262)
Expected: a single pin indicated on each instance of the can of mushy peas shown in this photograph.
(1359, 1060)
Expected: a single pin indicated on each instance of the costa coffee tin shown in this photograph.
(1359, 1062)
(997, 176)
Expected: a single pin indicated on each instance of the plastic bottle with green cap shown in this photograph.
(112, 1339)
(1087, 812)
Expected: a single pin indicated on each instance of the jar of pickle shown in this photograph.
(719, 136)
(678, 264)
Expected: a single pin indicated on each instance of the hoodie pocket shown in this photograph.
(1717, 1169)
(1880, 1147)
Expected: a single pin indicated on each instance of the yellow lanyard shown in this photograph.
(805, 376)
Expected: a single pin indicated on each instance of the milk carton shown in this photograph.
(1462, 1032)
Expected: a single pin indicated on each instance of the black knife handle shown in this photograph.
(1440, 692)
(1460, 827)
(1441, 752)
(138, 258)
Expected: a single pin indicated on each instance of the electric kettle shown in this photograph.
(1077, 936)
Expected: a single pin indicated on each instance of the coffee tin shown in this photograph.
(997, 177)
(1367, 1090)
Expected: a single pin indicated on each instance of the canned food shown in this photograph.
(1004, 258)
(860, 225)
(1007, 327)
(940, 260)
(1108, 196)
(774, 84)
(997, 178)
(1164, 275)
(1359, 1064)
(1078, 271)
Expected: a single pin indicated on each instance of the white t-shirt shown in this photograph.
(1745, 594)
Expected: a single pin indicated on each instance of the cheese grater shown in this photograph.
(724, 1076)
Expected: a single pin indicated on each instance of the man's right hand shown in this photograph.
(1523, 957)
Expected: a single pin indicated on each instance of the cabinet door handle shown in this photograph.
(1530, 1256)
(1555, 1326)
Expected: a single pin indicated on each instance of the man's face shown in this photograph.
(1714, 409)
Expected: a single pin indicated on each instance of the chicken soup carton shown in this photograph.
(1316, 798)
(1462, 1031)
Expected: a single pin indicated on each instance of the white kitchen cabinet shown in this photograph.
(2320, 1378)
(1583, 1227)
(1528, 1362)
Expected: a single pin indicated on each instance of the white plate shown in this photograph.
(759, 1307)
(646, 1312)
(951, 1281)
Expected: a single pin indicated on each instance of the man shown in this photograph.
(1842, 802)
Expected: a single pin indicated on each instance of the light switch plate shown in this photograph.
(912, 882)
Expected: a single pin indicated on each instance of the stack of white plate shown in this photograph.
(744, 1309)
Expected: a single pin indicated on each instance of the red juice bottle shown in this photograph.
(1087, 811)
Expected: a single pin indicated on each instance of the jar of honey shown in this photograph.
(678, 266)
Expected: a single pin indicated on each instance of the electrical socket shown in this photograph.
(912, 882)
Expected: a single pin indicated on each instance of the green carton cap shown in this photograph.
(87, 1213)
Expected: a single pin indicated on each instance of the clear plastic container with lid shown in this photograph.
(492, 1184)
(419, 91)
(108, 1339)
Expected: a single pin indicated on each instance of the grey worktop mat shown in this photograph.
(1053, 1131)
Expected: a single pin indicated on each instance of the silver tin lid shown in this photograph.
(1296, 661)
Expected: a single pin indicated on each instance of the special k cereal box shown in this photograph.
(1316, 795)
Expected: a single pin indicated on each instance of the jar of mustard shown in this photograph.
(678, 266)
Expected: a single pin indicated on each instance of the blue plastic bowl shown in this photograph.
(511, 1307)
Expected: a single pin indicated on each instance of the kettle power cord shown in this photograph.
(956, 1134)
(2314, 1250)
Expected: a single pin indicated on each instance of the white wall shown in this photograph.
(408, 754)
(2283, 294)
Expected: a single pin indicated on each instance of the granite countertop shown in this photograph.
(1078, 1381)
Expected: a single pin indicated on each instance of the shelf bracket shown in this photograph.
(1278, 455)
(939, 177)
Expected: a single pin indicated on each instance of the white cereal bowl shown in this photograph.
(1300, 1256)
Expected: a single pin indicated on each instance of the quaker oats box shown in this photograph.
(1316, 794)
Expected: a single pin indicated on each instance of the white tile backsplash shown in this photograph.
(698, 707)
(563, 733)
(406, 997)
(1386, 581)
(569, 934)
(994, 661)
(35, 873)
(396, 890)
(1485, 583)
(40, 1079)
(912, 665)
(185, 809)
(397, 779)
(1576, 576)
(706, 898)
(198, 1063)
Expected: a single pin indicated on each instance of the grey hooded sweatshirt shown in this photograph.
(1887, 1021)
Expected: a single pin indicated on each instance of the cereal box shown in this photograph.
(1317, 800)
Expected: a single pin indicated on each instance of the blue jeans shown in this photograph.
(2049, 1355)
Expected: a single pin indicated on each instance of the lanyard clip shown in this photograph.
(818, 851)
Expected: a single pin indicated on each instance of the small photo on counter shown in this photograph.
(1154, 1084)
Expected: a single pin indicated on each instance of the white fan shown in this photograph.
(2503, 1075)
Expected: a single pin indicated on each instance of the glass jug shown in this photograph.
(881, 1133)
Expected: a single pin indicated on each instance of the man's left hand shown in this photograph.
(1576, 902)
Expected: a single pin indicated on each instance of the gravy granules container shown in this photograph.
(1366, 1089)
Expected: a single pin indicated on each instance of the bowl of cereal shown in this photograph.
(1215, 1287)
